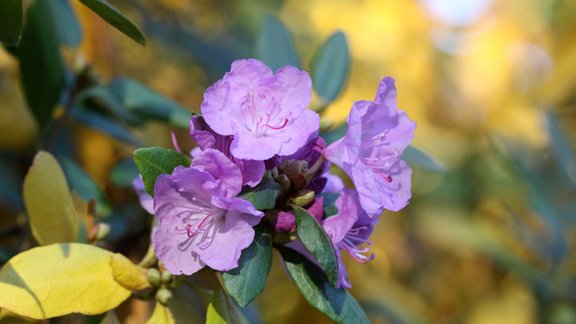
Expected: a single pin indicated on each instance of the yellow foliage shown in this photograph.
(60, 279)
(127, 273)
(161, 315)
(50, 207)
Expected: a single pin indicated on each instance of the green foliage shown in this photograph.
(82, 183)
(248, 280)
(51, 211)
(67, 26)
(39, 55)
(274, 45)
(317, 242)
(420, 159)
(222, 310)
(134, 103)
(330, 67)
(262, 196)
(115, 18)
(336, 303)
(10, 22)
(123, 173)
(60, 279)
(154, 161)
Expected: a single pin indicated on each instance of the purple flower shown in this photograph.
(200, 221)
(348, 229)
(205, 137)
(378, 132)
(146, 201)
(265, 113)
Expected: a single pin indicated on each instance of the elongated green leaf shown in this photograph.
(104, 124)
(330, 67)
(317, 242)
(50, 208)
(418, 158)
(39, 55)
(336, 303)
(154, 161)
(115, 18)
(138, 98)
(248, 280)
(222, 310)
(84, 185)
(263, 196)
(335, 134)
(10, 22)
(123, 173)
(60, 279)
(274, 45)
(67, 26)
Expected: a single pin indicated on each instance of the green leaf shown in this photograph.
(317, 242)
(330, 66)
(147, 103)
(42, 69)
(67, 26)
(84, 185)
(102, 99)
(60, 279)
(51, 211)
(330, 208)
(154, 161)
(274, 45)
(105, 124)
(418, 158)
(123, 173)
(335, 134)
(10, 22)
(262, 196)
(247, 281)
(336, 303)
(115, 18)
(222, 310)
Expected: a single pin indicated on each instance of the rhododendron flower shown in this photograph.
(146, 201)
(205, 137)
(348, 230)
(266, 113)
(200, 221)
(378, 132)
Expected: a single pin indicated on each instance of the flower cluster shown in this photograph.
(256, 129)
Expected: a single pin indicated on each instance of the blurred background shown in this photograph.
(489, 234)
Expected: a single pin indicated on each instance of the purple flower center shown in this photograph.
(351, 242)
(199, 224)
(261, 122)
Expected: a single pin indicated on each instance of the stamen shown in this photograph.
(284, 123)
(175, 142)
(388, 178)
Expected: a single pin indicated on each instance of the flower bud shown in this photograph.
(102, 231)
(164, 296)
(284, 182)
(166, 277)
(303, 198)
(153, 276)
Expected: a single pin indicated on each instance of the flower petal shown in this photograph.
(222, 170)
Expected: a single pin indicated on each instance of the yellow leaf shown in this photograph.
(127, 273)
(223, 310)
(161, 315)
(60, 279)
(50, 207)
